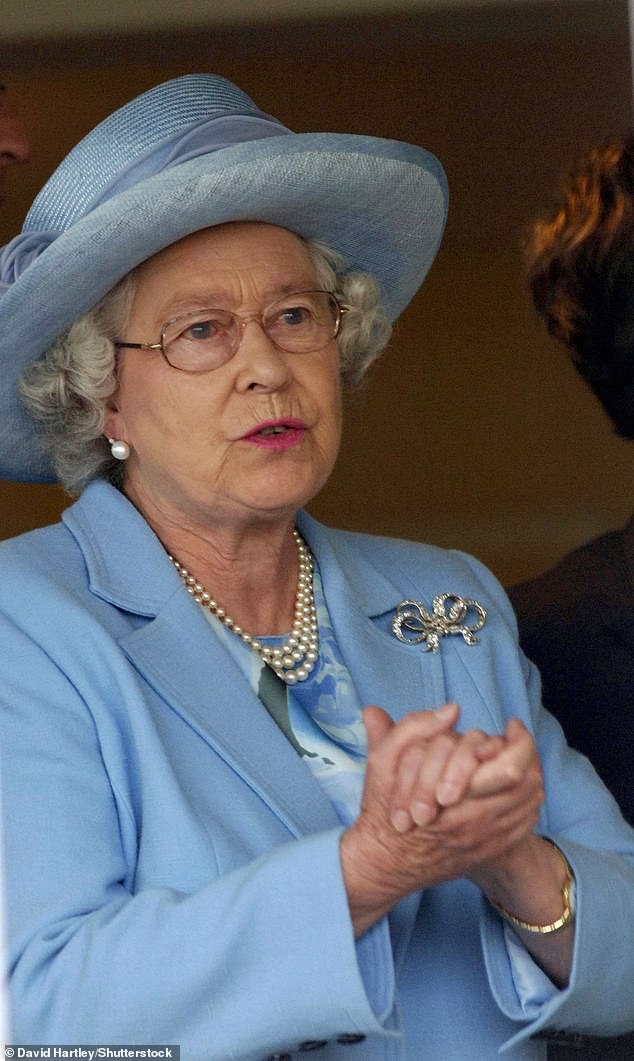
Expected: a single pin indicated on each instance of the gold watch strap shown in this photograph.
(566, 918)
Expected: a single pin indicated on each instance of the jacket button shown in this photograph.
(348, 1038)
(313, 1044)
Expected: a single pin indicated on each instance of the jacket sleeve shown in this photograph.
(584, 820)
(96, 957)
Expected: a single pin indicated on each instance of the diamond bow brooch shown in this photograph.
(414, 625)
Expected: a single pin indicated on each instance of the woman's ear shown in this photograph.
(113, 426)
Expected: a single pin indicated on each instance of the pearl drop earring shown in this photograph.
(120, 450)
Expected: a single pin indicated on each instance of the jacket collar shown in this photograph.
(126, 563)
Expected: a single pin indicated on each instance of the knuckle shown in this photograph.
(415, 719)
(475, 736)
(445, 742)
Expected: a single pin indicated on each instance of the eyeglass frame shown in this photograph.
(242, 321)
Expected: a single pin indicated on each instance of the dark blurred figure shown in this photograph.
(14, 142)
(577, 620)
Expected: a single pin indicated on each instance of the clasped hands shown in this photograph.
(437, 805)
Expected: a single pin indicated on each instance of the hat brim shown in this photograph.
(380, 203)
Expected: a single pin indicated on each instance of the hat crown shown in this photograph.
(123, 137)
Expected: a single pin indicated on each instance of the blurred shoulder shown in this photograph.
(600, 569)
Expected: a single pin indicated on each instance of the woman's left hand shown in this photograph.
(437, 787)
(384, 856)
(527, 877)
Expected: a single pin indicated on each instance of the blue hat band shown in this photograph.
(204, 137)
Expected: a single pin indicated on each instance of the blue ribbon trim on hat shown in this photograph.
(19, 253)
(203, 137)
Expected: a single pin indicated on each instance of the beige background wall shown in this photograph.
(473, 432)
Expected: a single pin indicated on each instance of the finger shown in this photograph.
(470, 750)
(509, 766)
(413, 801)
(418, 727)
(423, 805)
(483, 823)
(417, 724)
(408, 770)
(387, 743)
(492, 747)
(377, 724)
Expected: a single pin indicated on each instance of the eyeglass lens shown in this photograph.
(205, 339)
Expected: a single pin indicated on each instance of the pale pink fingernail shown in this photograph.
(421, 812)
(447, 793)
(401, 821)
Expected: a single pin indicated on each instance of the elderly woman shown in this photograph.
(209, 841)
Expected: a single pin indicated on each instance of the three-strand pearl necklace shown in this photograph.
(294, 660)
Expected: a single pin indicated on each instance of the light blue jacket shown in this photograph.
(173, 872)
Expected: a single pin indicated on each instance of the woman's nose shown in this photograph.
(14, 142)
(260, 363)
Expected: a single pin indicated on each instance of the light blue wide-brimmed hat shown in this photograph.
(189, 154)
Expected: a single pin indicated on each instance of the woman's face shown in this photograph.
(195, 445)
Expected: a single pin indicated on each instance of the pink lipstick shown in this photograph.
(276, 434)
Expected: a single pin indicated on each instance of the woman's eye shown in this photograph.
(294, 315)
(202, 330)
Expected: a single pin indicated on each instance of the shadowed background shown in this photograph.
(473, 431)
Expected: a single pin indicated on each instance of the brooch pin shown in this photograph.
(413, 624)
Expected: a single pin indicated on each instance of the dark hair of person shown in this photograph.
(581, 275)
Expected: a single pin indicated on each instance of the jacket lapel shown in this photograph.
(178, 656)
(361, 602)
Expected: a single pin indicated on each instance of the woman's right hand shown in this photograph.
(435, 804)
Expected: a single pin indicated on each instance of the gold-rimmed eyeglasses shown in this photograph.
(205, 339)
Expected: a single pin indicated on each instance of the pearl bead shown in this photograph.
(295, 659)
(120, 450)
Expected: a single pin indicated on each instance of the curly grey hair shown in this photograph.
(67, 390)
